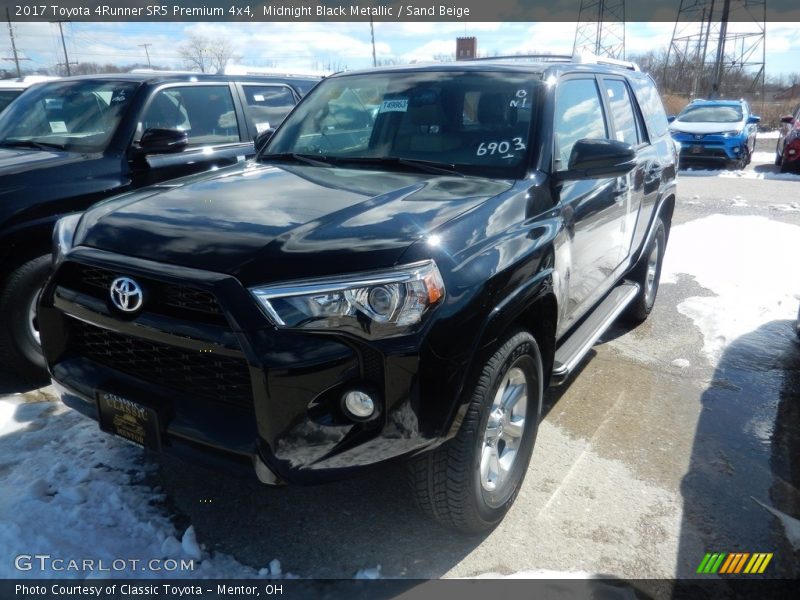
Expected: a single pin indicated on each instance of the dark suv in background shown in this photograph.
(66, 144)
(415, 255)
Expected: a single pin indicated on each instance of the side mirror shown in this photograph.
(670, 118)
(163, 141)
(753, 119)
(263, 138)
(788, 119)
(595, 159)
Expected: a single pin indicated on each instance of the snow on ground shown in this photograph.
(72, 492)
(725, 254)
(768, 135)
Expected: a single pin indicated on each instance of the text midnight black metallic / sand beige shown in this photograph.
(415, 254)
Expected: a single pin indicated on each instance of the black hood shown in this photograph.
(267, 223)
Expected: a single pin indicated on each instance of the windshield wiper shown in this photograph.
(316, 160)
(32, 144)
(420, 165)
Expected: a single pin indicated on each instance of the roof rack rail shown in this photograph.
(593, 59)
(543, 57)
(581, 58)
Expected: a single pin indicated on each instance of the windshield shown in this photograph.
(78, 116)
(473, 122)
(711, 114)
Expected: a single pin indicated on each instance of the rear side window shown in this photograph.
(619, 101)
(268, 104)
(206, 113)
(652, 108)
(578, 115)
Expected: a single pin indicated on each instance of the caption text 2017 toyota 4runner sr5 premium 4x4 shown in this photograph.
(412, 258)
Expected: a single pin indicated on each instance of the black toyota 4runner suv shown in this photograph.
(414, 256)
(66, 144)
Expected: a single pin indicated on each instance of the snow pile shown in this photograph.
(73, 493)
(738, 174)
(726, 254)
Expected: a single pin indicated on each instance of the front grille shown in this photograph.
(169, 299)
(192, 373)
(187, 298)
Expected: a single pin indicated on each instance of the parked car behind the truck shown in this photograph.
(787, 152)
(399, 283)
(10, 89)
(67, 144)
(716, 132)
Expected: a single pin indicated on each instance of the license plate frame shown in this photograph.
(128, 419)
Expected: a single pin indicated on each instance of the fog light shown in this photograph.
(737, 150)
(792, 151)
(359, 405)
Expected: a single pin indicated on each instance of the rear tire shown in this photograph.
(471, 481)
(648, 275)
(20, 349)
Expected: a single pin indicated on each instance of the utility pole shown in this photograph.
(13, 44)
(372, 34)
(64, 45)
(718, 63)
(146, 46)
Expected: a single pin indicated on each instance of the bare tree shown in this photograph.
(208, 55)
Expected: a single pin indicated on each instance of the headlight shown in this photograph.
(377, 304)
(732, 133)
(63, 235)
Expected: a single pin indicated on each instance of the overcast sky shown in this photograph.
(306, 46)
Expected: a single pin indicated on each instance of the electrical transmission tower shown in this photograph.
(717, 48)
(601, 28)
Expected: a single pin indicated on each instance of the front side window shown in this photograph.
(473, 122)
(578, 115)
(206, 113)
(78, 116)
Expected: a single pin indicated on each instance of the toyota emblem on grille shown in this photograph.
(698, 137)
(126, 294)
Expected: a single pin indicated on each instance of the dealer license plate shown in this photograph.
(128, 419)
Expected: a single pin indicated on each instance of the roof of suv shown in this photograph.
(520, 64)
(155, 77)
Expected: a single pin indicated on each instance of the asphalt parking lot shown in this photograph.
(676, 438)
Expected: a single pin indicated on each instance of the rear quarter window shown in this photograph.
(650, 102)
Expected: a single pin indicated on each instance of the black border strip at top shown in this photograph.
(386, 10)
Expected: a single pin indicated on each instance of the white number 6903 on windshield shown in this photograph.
(501, 147)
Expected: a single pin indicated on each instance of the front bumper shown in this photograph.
(225, 383)
(710, 148)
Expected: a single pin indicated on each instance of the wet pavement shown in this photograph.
(668, 443)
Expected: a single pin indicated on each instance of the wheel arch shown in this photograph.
(533, 307)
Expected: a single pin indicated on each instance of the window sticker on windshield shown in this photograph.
(394, 105)
(263, 126)
(258, 97)
(58, 127)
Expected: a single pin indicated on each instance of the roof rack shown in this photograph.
(581, 58)
(542, 57)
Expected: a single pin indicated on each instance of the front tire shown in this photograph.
(20, 348)
(648, 275)
(471, 481)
